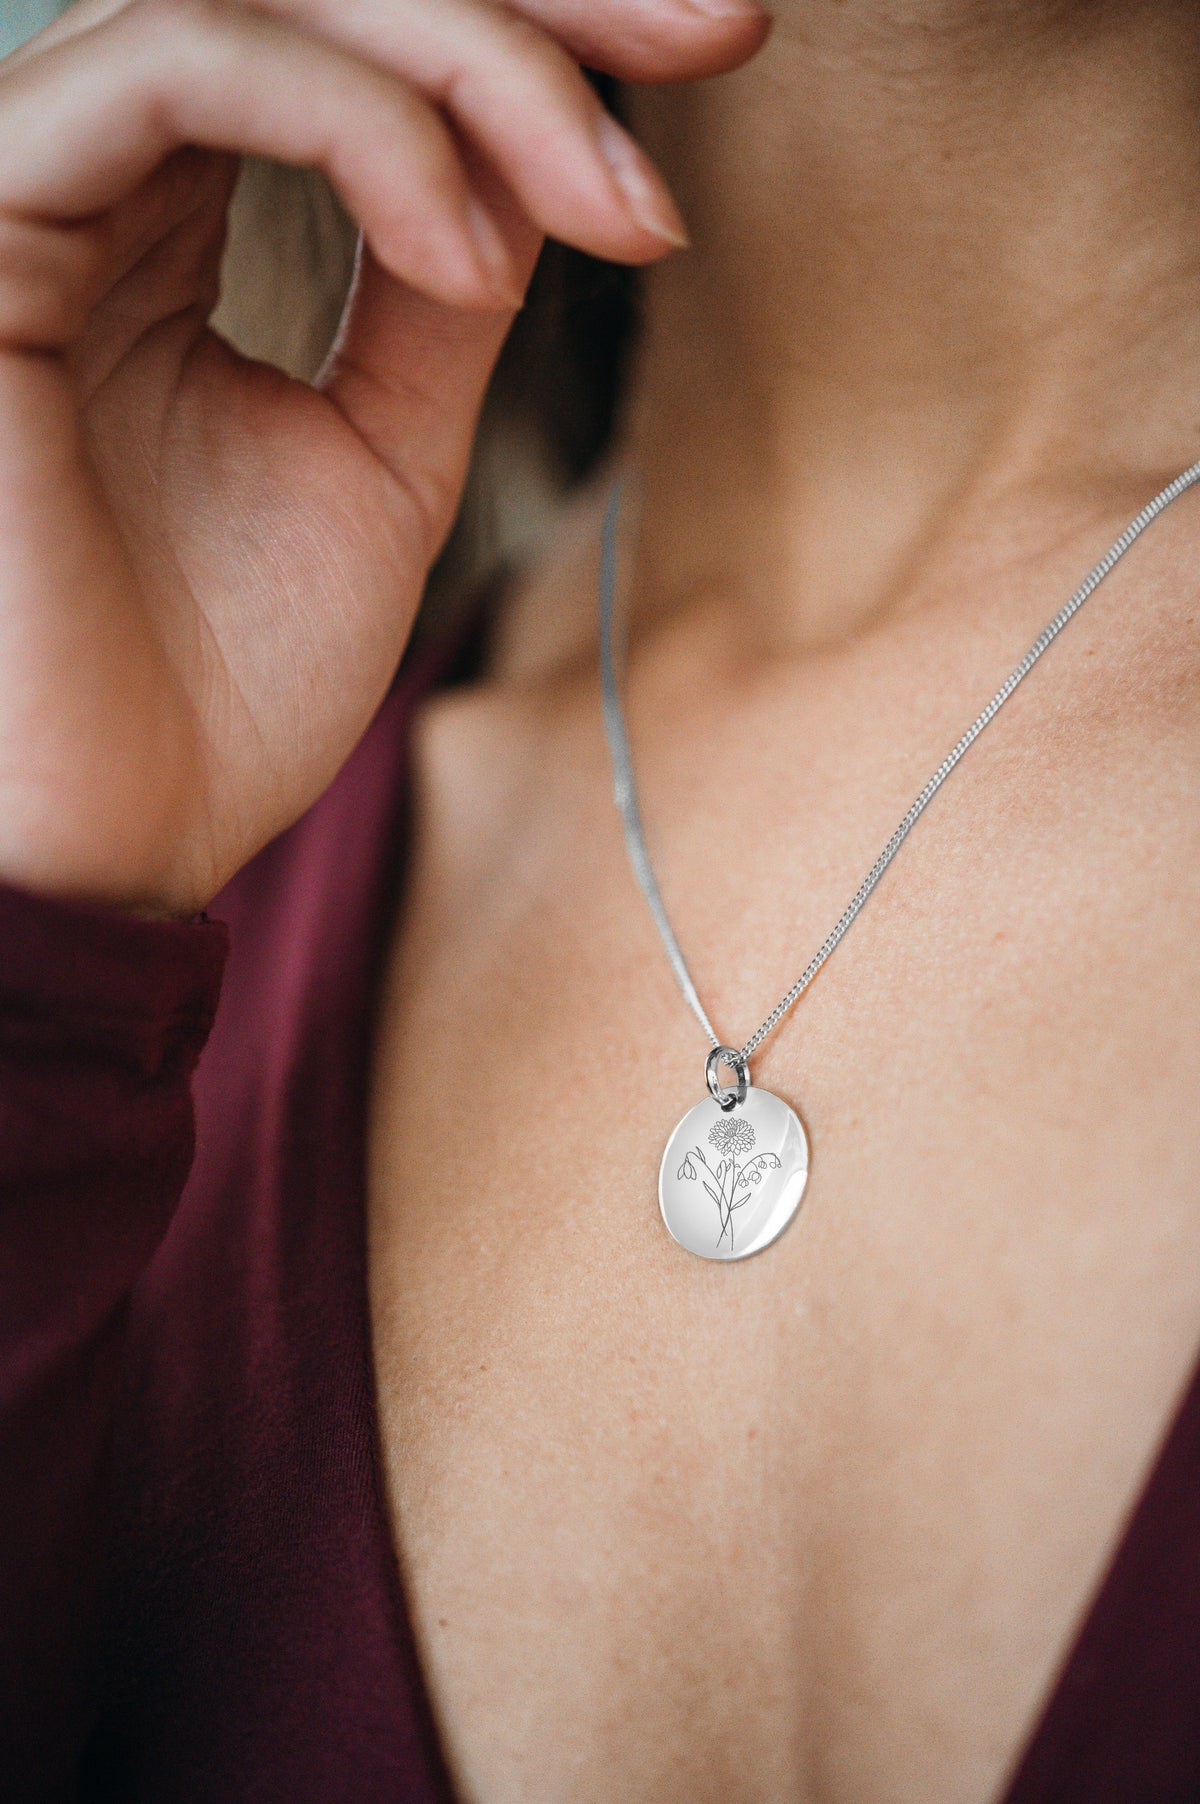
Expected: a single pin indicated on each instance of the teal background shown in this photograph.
(19, 19)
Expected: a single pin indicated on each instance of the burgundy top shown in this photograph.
(199, 1600)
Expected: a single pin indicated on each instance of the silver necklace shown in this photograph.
(734, 1170)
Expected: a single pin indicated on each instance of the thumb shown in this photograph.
(409, 374)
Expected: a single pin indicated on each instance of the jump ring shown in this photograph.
(726, 1096)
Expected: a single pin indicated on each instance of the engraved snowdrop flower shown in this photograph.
(736, 1175)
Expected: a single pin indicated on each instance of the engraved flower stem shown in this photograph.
(738, 1175)
(733, 1178)
(728, 1138)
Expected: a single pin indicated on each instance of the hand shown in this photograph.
(207, 571)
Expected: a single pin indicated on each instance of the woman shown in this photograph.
(880, 1513)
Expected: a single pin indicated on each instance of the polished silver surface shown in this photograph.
(732, 1179)
(726, 1096)
(626, 793)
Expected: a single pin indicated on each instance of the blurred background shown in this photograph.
(19, 19)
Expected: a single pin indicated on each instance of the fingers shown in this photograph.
(635, 40)
(92, 117)
(386, 96)
(166, 248)
(409, 375)
(48, 279)
(185, 182)
(364, 91)
(521, 100)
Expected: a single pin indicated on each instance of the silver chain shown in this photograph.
(626, 792)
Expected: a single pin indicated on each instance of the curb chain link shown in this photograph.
(626, 792)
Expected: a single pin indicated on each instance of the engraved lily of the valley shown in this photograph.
(732, 1184)
(787, 1132)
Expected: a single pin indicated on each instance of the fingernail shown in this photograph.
(641, 188)
(491, 254)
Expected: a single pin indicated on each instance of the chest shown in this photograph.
(818, 1525)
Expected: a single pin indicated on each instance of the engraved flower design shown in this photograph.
(732, 1135)
(730, 1184)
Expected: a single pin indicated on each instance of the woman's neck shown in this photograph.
(946, 259)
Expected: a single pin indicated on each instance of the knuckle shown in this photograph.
(526, 52)
(167, 26)
(540, 53)
(176, 42)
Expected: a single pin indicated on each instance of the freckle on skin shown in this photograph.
(752, 1434)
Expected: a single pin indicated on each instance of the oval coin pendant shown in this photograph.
(731, 1180)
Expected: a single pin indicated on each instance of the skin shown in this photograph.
(821, 1526)
(173, 517)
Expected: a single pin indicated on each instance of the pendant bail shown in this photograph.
(726, 1096)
